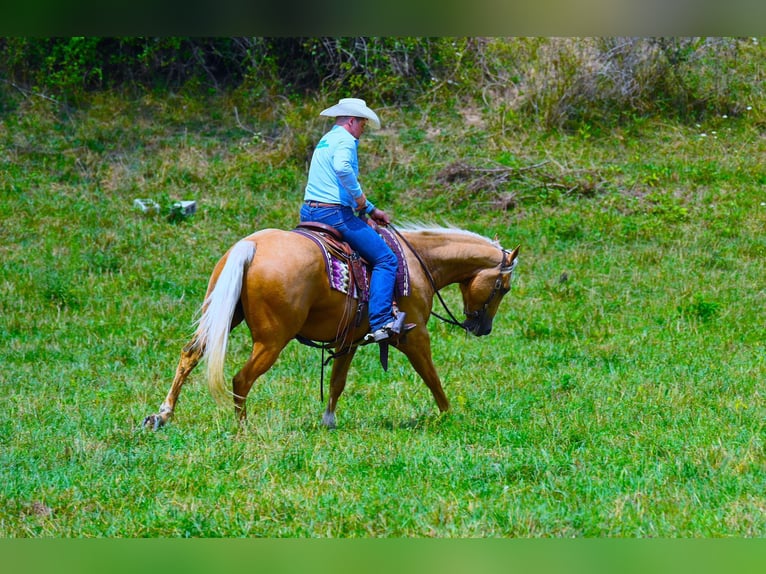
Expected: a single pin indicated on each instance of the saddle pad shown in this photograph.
(402, 287)
(339, 275)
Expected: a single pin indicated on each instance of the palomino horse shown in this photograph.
(276, 281)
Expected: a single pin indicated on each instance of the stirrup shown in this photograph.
(391, 330)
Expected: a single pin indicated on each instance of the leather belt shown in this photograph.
(320, 204)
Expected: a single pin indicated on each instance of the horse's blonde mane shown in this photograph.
(417, 227)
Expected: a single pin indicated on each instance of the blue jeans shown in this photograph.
(363, 239)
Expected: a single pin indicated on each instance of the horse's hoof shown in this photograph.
(328, 420)
(153, 422)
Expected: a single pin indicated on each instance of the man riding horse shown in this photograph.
(283, 298)
(334, 197)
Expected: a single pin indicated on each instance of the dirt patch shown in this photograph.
(472, 117)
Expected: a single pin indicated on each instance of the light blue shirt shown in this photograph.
(334, 171)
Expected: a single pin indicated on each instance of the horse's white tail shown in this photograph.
(218, 309)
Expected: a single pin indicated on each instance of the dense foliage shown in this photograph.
(560, 82)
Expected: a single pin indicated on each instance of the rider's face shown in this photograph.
(356, 126)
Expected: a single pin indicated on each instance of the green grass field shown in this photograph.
(620, 394)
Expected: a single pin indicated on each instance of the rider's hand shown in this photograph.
(380, 217)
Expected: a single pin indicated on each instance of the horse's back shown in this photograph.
(287, 283)
(277, 252)
(283, 254)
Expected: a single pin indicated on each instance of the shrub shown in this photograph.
(566, 83)
(558, 82)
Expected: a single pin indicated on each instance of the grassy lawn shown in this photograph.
(620, 393)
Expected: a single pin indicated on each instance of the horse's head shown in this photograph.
(483, 292)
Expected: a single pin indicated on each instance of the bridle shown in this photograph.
(477, 315)
(498, 289)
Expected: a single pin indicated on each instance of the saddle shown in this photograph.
(347, 271)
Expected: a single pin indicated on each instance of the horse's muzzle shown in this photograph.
(478, 326)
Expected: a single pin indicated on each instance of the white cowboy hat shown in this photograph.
(353, 107)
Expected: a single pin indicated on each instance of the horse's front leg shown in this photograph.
(338, 377)
(190, 356)
(417, 348)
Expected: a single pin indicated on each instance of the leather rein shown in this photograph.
(451, 320)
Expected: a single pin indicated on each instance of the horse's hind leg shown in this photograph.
(261, 360)
(190, 356)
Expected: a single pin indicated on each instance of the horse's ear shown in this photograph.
(511, 259)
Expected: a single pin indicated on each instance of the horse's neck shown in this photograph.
(452, 258)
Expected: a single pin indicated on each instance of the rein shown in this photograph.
(451, 320)
(504, 267)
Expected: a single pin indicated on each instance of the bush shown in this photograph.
(69, 67)
(560, 83)
(386, 68)
(565, 83)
